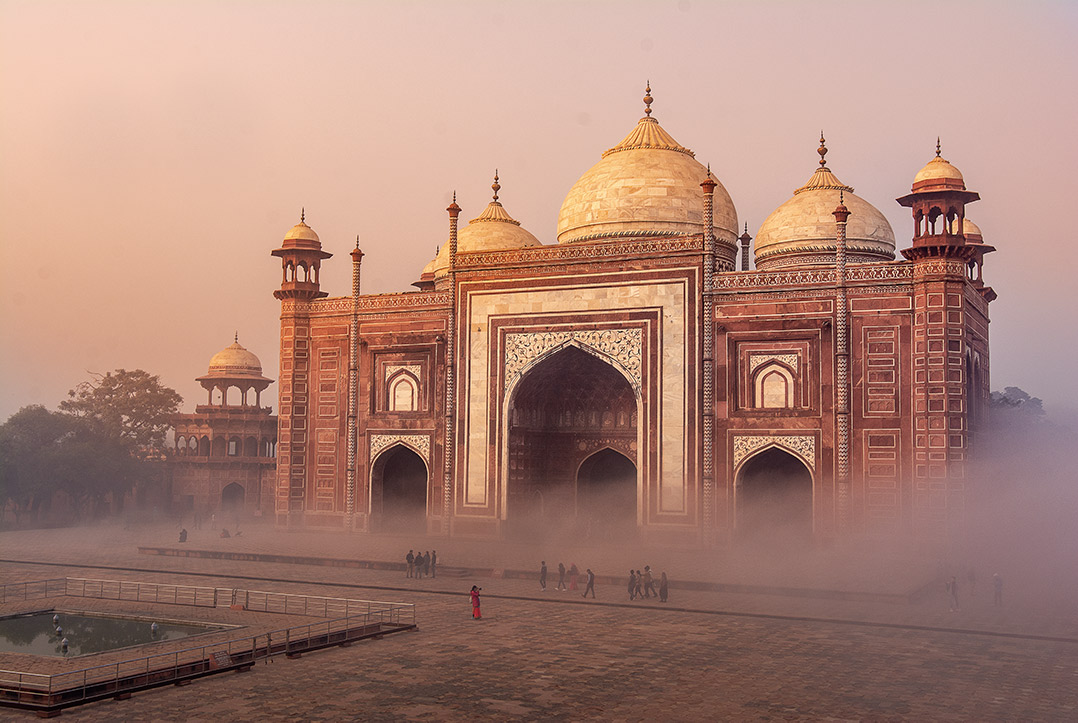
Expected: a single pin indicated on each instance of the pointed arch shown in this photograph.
(402, 392)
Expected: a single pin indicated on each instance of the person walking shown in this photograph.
(639, 590)
(574, 573)
(561, 577)
(632, 584)
(410, 559)
(649, 583)
(952, 587)
(476, 615)
(433, 563)
(997, 590)
(664, 588)
(542, 577)
(590, 585)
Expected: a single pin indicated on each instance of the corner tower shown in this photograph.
(950, 337)
(301, 257)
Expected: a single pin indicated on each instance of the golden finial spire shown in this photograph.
(747, 223)
(937, 146)
(648, 99)
(302, 214)
(841, 200)
(822, 150)
(496, 186)
(236, 339)
(357, 240)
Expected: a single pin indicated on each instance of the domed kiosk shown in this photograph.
(225, 453)
(801, 232)
(648, 185)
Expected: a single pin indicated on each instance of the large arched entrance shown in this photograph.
(606, 496)
(399, 491)
(563, 410)
(774, 497)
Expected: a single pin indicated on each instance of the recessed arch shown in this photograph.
(567, 406)
(403, 392)
(773, 386)
(607, 493)
(773, 496)
(398, 488)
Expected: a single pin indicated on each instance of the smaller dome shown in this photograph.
(971, 231)
(235, 361)
(492, 230)
(939, 174)
(802, 231)
(301, 235)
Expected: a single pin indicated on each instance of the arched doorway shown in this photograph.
(606, 496)
(774, 497)
(232, 499)
(563, 409)
(399, 491)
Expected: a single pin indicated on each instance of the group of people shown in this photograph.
(971, 578)
(422, 563)
(573, 574)
(642, 585)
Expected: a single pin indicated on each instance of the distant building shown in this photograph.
(225, 453)
(637, 377)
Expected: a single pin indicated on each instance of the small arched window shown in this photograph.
(773, 387)
(402, 394)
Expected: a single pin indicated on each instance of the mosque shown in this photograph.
(636, 378)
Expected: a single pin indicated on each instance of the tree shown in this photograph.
(131, 407)
(31, 442)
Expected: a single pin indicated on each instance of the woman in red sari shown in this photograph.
(476, 615)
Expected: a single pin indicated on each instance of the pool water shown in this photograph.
(35, 633)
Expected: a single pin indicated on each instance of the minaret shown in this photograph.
(353, 387)
(708, 325)
(942, 337)
(301, 257)
(842, 369)
(450, 378)
(745, 239)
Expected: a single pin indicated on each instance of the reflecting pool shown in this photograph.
(43, 633)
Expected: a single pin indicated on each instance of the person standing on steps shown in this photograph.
(542, 577)
(591, 585)
(476, 615)
(426, 563)
(410, 559)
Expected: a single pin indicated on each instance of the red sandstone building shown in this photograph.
(636, 376)
(225, 453)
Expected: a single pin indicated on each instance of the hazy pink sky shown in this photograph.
(152, 154)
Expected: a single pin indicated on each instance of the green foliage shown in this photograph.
(129, 407)
(95, 449)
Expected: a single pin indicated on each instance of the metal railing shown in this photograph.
(345, 620)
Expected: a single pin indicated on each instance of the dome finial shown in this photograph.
(236, 339)
(937, 146)
(822, 150)
(357, 240)
(647, 99)
(496, 186)
(302, 214)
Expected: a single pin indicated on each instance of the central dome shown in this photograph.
(647, 185)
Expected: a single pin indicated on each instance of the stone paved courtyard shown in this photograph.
(705, 656)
